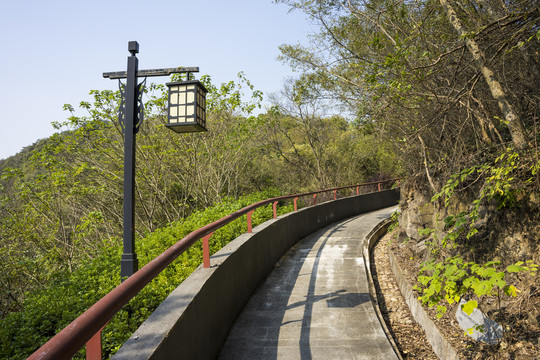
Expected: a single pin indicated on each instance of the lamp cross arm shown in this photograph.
(152, 72)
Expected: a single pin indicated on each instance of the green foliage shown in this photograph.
(395, 221)
(403, 69)
(507, 181)
(63, 201)
(308, 150)
(504, 179)
(449, 188)
(46, 311)
(454, 279)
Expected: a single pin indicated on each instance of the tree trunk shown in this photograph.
(517, 131)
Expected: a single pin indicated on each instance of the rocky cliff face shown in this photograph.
(417, 213)
(510, 234)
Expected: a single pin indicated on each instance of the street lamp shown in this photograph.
(186, 113)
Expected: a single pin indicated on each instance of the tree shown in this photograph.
(403, 67)
(519, 136)
(309, 148)
(61, 205)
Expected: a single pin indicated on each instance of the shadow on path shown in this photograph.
(315, 304)
(340, 297)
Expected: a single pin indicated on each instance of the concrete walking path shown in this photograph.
(316, 302)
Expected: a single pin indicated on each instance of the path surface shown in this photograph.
(316, 302)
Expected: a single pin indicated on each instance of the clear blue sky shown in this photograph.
(54, 52)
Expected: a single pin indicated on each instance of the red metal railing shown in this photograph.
(87, 327)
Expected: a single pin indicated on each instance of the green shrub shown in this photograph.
(47, 311)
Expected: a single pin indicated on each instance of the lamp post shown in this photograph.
(186, 113)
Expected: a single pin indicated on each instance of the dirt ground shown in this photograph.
(521, 341)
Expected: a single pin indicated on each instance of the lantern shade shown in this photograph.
(187, 106)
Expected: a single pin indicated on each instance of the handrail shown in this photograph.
(70, 339)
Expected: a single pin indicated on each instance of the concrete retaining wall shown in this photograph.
(194, 320)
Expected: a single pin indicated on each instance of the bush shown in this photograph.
(45, 312)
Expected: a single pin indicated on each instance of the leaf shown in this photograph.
(492, 263)
(515, 268)
(441, 310)
(482, 287)
(424, 280)
(472, 232)
(486, 272)
(451, 298)
(510, 290)
(469, 307)
(498, 280)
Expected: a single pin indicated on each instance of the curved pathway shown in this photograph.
(316, 302)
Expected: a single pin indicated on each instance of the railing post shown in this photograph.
(206, 250)
(358, 190)
(295, 204)
(93, 346)
(335, 194)
(250, 229)
(314, 199)
(274, 210)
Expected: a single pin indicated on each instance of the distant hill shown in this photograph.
(22, 156)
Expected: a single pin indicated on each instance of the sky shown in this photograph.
(54, 52)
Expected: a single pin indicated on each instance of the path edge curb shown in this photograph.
(440, 345)
(442, 348)
(371, 239)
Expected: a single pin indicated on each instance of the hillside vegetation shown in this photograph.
(48, 310)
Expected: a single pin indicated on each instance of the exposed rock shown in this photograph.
(417, 212)
(478, 326)
(420, 248)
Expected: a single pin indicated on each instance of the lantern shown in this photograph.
(187, 106)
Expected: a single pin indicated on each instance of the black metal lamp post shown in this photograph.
(186, 113)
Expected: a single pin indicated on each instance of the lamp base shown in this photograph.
(128, 265)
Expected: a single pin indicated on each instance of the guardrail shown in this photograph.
(86, 329)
